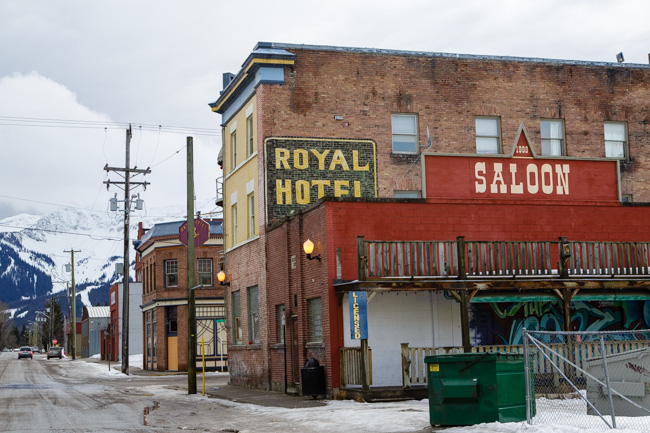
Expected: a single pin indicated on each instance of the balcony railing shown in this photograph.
(489, 259)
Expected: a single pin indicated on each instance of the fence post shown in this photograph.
(406, 366)
(609, 389)
(527, 377)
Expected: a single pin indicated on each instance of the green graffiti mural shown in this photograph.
(506, 321)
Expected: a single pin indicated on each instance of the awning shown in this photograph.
(582, 297)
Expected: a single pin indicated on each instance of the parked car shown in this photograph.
(25, 352)
(55, 352)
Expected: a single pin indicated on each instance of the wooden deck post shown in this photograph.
(564, 255)
(464, 296)
(365, 365)
(361, 258)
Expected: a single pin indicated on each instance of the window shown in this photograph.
(172, 320)
(204, 271)
(234, 223)
(407, 194)
(281, 321)
(615, 140)
(236, 318)
(171, 273)
(552, 132)
(233, 149)
(626, 198)
(488, 135)
(249, 135)
(251, 215)
(253, 316)
(405, 134)
(315, 321)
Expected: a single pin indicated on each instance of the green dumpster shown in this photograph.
(473, 388)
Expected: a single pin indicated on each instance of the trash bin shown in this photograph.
(312, 378)
(628, 376)
(473, 388)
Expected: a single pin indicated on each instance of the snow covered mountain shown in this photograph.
(34, 252)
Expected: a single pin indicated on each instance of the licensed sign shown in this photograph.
(358, 316)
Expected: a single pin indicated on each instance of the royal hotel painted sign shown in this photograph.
(300, 171)
(520, 176)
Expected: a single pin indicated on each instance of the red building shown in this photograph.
(463, 197)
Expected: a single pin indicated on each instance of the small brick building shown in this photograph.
(161, 267)
(332, 143)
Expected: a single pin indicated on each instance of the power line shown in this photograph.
(96, 238)
(96, 124)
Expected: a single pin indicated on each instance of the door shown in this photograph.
(172, 353)
(295, 356)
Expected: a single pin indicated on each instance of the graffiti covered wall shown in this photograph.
(502, 323)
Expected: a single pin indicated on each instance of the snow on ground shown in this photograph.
(407, 416)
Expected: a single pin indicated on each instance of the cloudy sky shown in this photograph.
(75, 73)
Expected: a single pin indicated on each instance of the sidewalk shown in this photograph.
(261, 397)
(218, 387)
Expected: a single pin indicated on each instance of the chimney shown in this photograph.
(227, 78)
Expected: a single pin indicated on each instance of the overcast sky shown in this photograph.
(102, 65)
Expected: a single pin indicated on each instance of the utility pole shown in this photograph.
(74, 306)
(191, 307)
(128, 172)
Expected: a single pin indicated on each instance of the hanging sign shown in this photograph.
(358, 316)
(201, 232)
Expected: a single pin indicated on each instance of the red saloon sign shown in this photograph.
(201, 232)
(521, 175)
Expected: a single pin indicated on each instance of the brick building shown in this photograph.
(330, 143)
(161, 267)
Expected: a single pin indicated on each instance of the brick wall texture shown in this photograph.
(446, 94)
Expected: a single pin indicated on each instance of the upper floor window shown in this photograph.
(552, 132)
(251, 215)
(249, 136)
(204, 271)
(171, 273)
(488, 135)
(615, 140)
(233, 149)
(405, 133)
(233, 215)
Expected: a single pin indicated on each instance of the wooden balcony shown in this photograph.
(511, 271)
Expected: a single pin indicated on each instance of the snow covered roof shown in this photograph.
(98, 312)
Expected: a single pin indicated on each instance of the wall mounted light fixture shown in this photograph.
(221, 276)
(308, 247)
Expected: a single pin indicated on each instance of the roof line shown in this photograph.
(380, 51)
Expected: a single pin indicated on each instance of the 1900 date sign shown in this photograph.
(300, 171)
(201, 232)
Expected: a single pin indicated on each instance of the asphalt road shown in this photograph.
(38, 395)
(47, 395)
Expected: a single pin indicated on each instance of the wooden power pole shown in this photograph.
(191, 307)
(128, 172)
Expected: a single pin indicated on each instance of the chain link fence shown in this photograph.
(588, 380)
